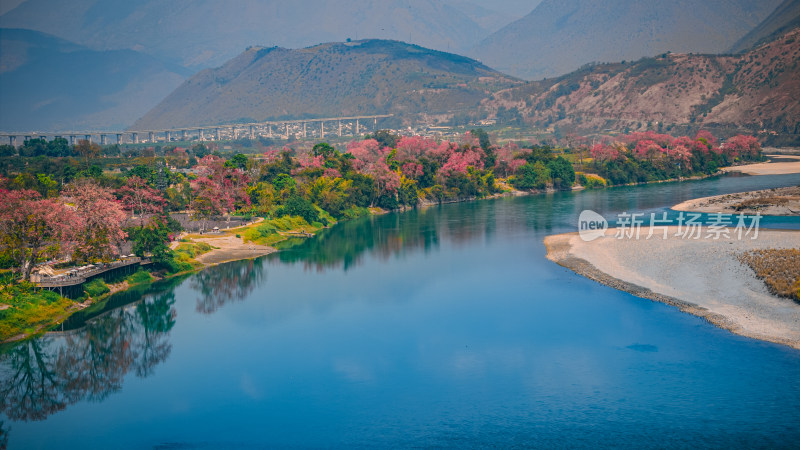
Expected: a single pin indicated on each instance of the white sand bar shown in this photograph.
(702, 277)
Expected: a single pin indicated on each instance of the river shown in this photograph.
(441, 327)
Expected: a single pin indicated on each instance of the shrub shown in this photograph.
(96, 288)
(140, 277)
(296, 205)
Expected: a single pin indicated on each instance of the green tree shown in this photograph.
(323, 149)
(385, 138)
(7, 150)
(531, 176)
(562, 172)
(238, 161)
(34, 147)
(296, 205)
(483, 138)
(152, 240)
(59, 147)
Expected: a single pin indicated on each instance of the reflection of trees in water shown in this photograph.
(3, 436)
(44, 375)
(392, 234)
(227, 282)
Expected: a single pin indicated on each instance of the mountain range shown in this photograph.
(47, 83)
(336, 79)
(199, 34)
(560, 36)
(122, 61)
(784, 18)
(754, 92)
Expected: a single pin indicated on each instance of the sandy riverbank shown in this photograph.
(772, 202)
(777, 165)
(701, 277)
(230, 248)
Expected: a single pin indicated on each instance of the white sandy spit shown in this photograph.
(702, 277)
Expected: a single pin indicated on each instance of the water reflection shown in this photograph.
(227, 283)
(42, 376)
(382, 237)
(89, 362)
(3, 436)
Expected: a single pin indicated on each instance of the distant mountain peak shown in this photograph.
(562, 35)
(361, 77)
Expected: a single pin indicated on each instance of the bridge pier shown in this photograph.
(216, 134)
(119, 138)
(168, 136)
(183, 135)
(72, 139)
(304, 130)
(269, 131)
(151, 136)
(200, 134)
(355, 133)
(135, 138)
(88, 138)
(340, 128)
(252, 132)
(322, 130)
(12, 140)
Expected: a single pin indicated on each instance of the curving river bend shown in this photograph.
(439, 327)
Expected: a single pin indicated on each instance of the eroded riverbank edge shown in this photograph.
(560, 250)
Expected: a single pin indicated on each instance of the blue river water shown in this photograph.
(442, 327)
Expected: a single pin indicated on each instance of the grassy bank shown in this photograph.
(28, 310)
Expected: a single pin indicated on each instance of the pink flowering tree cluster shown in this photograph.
(137, 196)
(604, 151)
(460, 161)
(509, 158)
(742, 146)
(644, 156)
(97, 228)
(219, 190)
(32, 228)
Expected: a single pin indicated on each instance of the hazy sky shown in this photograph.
(8, 5)
(516, 8)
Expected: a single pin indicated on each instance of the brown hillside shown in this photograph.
(756, 92)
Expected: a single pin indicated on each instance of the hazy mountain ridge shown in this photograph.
(206, 33)
(754, 92)
(559, 36)
(336, 79)
(48, 84)
(785, 17)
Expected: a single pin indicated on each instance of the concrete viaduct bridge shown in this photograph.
(301, 128)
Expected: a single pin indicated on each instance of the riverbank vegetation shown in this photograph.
(62, 205)
(778, 268)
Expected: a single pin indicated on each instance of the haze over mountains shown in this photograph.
(785, 17)
(340, 79)
(206, 33)
(129, 55)
(562, 35)
(47, 83)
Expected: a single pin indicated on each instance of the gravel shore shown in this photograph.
(702, 277)
(777, 165)
(772, 202)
